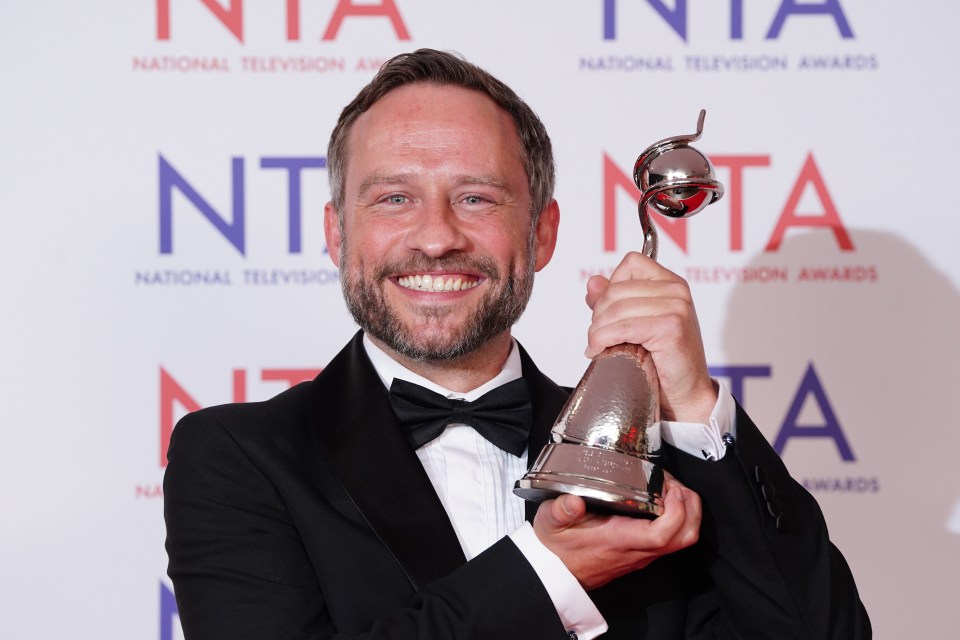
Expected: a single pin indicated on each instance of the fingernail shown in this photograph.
(563, 505)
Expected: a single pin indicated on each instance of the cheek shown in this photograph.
(368, 244)
(503, 240)
(519, 247)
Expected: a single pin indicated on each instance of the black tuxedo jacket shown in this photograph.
(310, 516)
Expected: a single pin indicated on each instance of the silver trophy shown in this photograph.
(606, 442)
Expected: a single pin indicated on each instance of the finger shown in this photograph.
(596, 286)
(669, 480)
(689, 532)
(561, 513)
(658, 534)
(654, 293)
(637, 266)
(694, 507)
(674, 504)
(653, 332)
(663, 328)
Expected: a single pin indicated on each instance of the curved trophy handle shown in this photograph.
(666, 143)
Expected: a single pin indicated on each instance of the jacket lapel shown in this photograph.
(365, 446)
(548, 399)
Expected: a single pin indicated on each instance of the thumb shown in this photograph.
(561, 513)
(596, 285)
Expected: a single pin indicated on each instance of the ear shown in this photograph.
(547, 234)
(331, 231)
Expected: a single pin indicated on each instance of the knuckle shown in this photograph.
(673, 321)
(624, 327)
(619, 308)
(659, 539)
(680, 289)
(593, 333)
(678, 295)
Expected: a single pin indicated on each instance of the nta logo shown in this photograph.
(676, 18)
(790, 217)
(234, 231)
(810, 389)
(231, 17)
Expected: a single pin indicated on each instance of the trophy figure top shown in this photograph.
(675, 180)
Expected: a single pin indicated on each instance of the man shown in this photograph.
(319, 514)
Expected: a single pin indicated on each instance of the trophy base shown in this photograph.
(607, 480)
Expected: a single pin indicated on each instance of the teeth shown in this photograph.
(436, 283)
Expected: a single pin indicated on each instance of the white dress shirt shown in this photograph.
(474, 480)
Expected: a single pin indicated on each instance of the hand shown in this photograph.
(644, 303)
(597, 549)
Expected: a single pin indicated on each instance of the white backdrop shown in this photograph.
(161, 188)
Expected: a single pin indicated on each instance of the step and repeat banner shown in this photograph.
(162, 182)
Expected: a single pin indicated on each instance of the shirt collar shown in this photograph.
(388, 369)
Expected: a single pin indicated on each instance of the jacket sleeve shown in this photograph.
(766, 546)
(240, 568)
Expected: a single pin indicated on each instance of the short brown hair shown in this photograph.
(443, 68)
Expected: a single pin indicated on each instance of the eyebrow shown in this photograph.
(378, 179)
(485, 181)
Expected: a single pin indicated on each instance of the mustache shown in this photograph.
(458, 262)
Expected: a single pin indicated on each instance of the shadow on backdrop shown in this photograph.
(883, 342)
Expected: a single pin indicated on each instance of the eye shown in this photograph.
(395, 198)
(474, 199)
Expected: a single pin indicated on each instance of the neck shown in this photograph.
(461, 374)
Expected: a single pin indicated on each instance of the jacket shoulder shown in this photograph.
(252, 426)
(253, 415)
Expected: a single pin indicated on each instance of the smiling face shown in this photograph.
(437, 249)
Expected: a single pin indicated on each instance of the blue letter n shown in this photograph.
(170, 179)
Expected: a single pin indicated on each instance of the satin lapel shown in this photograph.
(364, 445)
(548, 399)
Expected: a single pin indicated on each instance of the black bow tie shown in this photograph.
(502, 415)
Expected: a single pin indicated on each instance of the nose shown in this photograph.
(436, 230)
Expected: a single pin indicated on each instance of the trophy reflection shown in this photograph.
(606, 442)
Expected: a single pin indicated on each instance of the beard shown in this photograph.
(497, 311)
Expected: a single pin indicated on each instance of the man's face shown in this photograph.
(437, 253)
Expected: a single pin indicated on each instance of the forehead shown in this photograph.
(432, 122)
